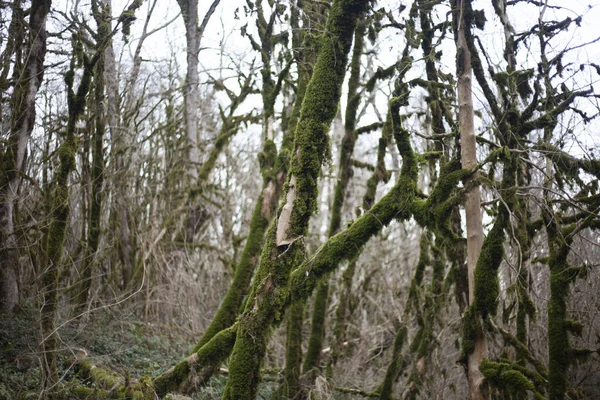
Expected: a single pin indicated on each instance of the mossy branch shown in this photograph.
(524, 351)
(508, 378)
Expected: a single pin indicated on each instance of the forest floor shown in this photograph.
(117, 340)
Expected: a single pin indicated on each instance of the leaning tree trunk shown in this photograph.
(12, 160)
(284, 247)
(273, 170)
(472, 197)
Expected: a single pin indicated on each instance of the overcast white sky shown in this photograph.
(223, 33)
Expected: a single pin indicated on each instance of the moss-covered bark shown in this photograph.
(305, 48)
(60, 213)
(385, 390)
(202, 362)
(28, 73)
(399, 203)
(559, 326)
(392, 372)
(273, 169)
(284, 252)
(511, 378)
(103, 19)
(317, 332)
(291, 388)
(108, 385)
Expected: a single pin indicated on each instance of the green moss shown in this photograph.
(424, 261)
(345, 308)
(103, 377)
(509, 379)
(559, 327)
(56, 232)
(381, 174)
(205, 360)
(385, 391)
(270, 292)
(317, 328)
(470, 328)
(228, 310)
(348, 243)
(293, 353)
(317, 332)
(486, 271)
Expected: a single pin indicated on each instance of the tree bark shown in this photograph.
(317, 333)
(55, 235)
(13, 158)
(102, 16)
(472, 197)
(282, 253)
(193, 36)
(120, 141)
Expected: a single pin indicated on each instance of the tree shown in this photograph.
(28, 73)
(428, 139)
(462, 21)
(193, 37)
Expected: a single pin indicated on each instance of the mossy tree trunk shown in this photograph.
(305, 54)
(399, 203)
(103, 17)
(28, 72)
(523, 238)
(284, 249)
(317, 333)
(385, 390)
(262, 215)
(273, 170)
(60, 210)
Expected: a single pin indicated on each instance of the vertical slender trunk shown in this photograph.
(119, 137)
(13, 159)
(472, 198)
(191, 96)
(291, 388)
(59, 218)
(102, 16)
(193, 36)
(262, 215)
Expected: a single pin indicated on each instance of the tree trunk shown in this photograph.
(13, 159)
(193, 36)
(103, 17)
(284, 247)
(317, 333)
(472, 197)
(120, 139)
(189, 12)
(59, 218)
